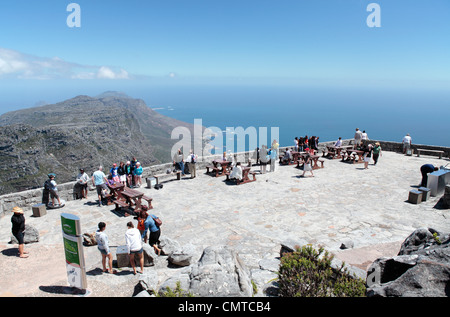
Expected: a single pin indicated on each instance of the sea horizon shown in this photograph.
(328, 113)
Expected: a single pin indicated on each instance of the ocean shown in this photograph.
(329, 113)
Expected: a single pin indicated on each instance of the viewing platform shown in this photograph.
(342, 202)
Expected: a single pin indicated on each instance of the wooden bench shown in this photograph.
(121, 204)
(149, 201)
(177, 173)
(321, 163)
(212, 168)
(432, 151)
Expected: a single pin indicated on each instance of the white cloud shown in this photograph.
(14, 64)
(108, 73)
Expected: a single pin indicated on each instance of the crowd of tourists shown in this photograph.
(148, 225)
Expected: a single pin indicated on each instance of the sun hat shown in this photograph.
(17, 210)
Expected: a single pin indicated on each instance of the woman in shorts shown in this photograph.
(18, 228)
(103, 247)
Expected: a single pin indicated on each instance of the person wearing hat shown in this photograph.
(82, 180)
(54, 189)
(138, 175)
(18, 228)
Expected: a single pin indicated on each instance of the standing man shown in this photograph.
(99, 180)
(425, 170)
(178, 161)
(358, 138)
(406, 143)
(82, 180)
(192, 159)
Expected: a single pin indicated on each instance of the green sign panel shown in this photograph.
(73, 249)
(70, 224)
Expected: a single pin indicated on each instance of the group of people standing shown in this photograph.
(134, 238)
(265, 155)
(129, 174)
(303, 143)
(179, 162)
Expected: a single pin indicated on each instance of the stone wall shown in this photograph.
(26, 199)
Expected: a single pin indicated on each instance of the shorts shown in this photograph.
(100, 188)
(123, 178)
(102, 251)
(19, 236)
(154, 237)
(137, 251)
(367, 159)
(53, 194)
(83, 186)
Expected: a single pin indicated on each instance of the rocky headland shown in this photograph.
(80, 132)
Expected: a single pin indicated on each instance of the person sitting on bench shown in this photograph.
(287, 157)
(236, 173)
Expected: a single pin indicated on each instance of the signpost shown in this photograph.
(73, 249)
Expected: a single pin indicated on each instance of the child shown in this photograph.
(53, 189)
(307, 166)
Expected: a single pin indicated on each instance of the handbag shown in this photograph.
(158, 221)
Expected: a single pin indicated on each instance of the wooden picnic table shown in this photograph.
(132, 199)
(314, 160)
(354, 156)
(335, 152)
(220, 167)
(114, 190)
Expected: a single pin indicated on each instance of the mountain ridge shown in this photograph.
(79, 132)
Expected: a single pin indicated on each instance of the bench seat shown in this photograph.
(158, 176)
(121, 203)
(149, 201)
(432, 151)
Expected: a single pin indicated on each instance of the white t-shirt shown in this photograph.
(133, 239)
(407, 139)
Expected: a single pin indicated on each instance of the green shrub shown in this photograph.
(177, 292)
(307, 272)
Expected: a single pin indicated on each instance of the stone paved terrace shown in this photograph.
(342, 201)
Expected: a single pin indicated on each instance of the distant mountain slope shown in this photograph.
(80, 132)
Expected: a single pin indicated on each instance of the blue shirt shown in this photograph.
(98, 177)
(138, 170)
(149, 223)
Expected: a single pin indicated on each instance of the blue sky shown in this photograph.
(124, 44)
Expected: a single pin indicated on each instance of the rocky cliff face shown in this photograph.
(80, 132)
